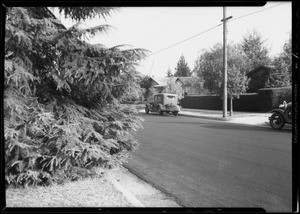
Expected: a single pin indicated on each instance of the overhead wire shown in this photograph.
(257, 11)
(198, 34)
(186, 39)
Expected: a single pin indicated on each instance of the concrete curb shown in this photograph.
(204, 117)
(219, 118)
(142, 177)
(130, 197)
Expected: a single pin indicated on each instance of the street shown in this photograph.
(206, 163)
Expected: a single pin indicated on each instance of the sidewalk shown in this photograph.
(249, 118)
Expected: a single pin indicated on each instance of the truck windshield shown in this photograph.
(170, 97)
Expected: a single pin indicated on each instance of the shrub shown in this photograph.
(61, 99)
(202, 102)
(272, 97)
(247, 102)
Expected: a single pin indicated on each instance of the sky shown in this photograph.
(169, 32)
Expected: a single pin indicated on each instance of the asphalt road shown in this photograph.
(207, 163)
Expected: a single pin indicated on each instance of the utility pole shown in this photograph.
(224, 20)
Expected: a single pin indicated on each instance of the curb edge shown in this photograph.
(130, 197)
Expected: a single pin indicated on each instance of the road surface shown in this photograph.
(207, 163)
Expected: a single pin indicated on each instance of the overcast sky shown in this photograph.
(157, 28)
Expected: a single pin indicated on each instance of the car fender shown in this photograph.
(280, 111)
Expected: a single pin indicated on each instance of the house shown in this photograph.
(163, 82)
(148, 82)
(159, 84)
(260, 77)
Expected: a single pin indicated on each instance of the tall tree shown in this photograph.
(169, 73)
(148, 90)
(182, 69)
(209, 66)
(61, 99)
(254, 47)
(283, 67)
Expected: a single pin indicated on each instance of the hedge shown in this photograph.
(272, 97)
(265, 100)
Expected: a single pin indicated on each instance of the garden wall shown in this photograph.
(265, 100)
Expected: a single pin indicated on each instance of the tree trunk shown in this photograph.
(231, 106)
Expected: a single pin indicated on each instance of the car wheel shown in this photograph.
(277, 121)
(159, 111)
(146, 110)
(175, 113)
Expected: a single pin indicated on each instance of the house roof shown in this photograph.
(262, 67)
(147, 79)
(185, 80)
(164, 81)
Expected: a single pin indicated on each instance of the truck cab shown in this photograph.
(163, 102)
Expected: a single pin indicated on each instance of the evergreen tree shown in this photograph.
(182, 69)
(62, 116)
(282, 76)
(169, 73)
(256, 52)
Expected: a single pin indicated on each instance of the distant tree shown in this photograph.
(169, 73)
(147, 90)
(254, 47)
(134, 91)
(209, 66)
(194, 84)
(237, 81)
(173, 88)
(282, 76)
(182, 69)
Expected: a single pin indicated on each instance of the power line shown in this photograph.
(215, 27)
(186, 39)
(258, 11)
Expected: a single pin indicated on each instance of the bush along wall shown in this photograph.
(271, 98)
(202, 102)
(264, 101)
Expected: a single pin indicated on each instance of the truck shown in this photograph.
(163, 102)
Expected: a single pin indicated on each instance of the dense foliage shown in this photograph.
(265, 100)
(271, 98)
(209, 67)
(254, 47)
(182, 69)
(62, 115)
(282, 75)
(173, 87)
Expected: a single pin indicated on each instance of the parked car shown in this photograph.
(281, 116)
(163, 102)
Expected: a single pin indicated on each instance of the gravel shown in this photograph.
(91, 192)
